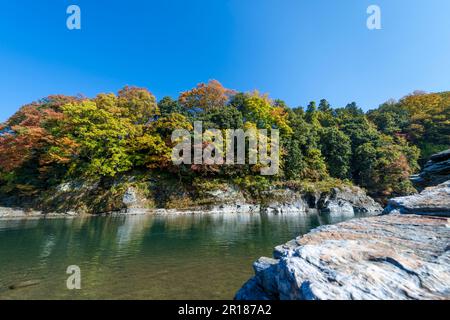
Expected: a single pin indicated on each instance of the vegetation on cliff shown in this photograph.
(61, 138)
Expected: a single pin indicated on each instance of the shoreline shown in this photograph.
(347, 201)
(16, 213)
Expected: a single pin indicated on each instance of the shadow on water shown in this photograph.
(141, 257)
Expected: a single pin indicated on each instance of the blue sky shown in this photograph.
(297, 50)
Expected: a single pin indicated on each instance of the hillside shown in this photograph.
(113, 141)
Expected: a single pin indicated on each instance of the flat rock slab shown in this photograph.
(386, 257)
(433, 201)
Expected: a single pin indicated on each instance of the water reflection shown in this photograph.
(142, 257)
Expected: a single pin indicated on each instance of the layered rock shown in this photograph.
(285, 201)
(349, 201)
(386, 257)
(346, 201)
(130, 196)
(435, 172)
(433, 201)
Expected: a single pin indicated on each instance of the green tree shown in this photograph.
(226, 118)
(138, 105)
(168, 106)
(337, 149)
(258, 109)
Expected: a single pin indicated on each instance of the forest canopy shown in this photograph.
(60, 138)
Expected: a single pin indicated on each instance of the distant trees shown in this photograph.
(61, 137)
(422, 119)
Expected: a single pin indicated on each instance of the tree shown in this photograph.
(168, 106)
(226, 118)
(337, 149)
(311, 113)
(324, 106)
(103, 139)
(27, 143)
(423, 119)
(303, 160)
(295, 147)
(258, 109)
(430, 121)
(316, 168)
(112, 132)
(138, 105)
(205, 97)
(383, 170)
(353, 110)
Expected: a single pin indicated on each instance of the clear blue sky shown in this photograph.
(297, 50)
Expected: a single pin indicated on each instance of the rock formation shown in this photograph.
(339, 201)
(433, 201)
(435, 172)
(386, 257)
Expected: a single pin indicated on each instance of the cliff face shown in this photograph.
(384, 257)
(338, 201)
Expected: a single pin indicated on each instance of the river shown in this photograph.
(141, 257)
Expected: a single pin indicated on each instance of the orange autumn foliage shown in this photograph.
(28, 131)
(206, 96)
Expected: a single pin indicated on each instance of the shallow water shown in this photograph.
(141, 257)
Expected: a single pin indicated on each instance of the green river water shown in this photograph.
(141, 257)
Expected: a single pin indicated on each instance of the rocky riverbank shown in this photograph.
(386, 257)
(338, 201)
(19, 213)
(402, 254)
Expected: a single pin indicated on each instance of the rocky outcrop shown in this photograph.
(385, 257)
(434, 201)
(285, 201)
(349, 201)
(435, 172)
(346, 201)
(80, 197)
